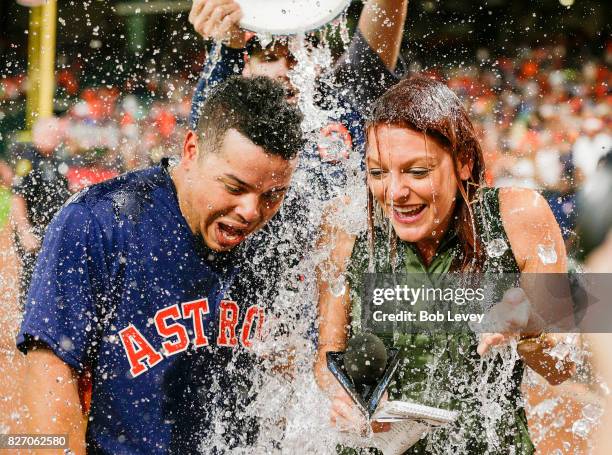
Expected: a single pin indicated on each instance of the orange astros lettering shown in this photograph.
(142, 356)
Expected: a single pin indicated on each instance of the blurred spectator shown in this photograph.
(592, 144)
(544, 123)
(41, 182)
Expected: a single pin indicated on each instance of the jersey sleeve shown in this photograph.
(362, 75)
(230, 62)
(67, 285)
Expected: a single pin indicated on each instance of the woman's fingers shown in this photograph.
(348, 418)
(514, 296)
(488, 340)
(380, 427)
(341, 395)
(345, 415)
(347, 410)
(511, 315)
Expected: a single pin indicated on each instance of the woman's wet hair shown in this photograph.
(257, 108)
(426, 105)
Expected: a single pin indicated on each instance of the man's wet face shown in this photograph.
(274, 64)
(235, 190)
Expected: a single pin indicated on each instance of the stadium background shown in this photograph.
(535, 75)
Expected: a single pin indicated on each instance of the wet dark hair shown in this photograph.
(276, 50)
(256, 107)
(423, 104)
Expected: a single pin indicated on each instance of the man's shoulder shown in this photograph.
(125, 195)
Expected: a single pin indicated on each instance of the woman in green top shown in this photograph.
(425, 181)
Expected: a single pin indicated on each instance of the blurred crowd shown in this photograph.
(106, 127)
(544, 123)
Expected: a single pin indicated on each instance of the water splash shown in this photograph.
(265, 39)
(338, 286)
(592, 412)
(582, 428)
(496, 248)
(547, 254)
(304, 76)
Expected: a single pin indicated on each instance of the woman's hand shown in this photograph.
(346, 416)
(218, 20)
(510, 318)
(514, 318)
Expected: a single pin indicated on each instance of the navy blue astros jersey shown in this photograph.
(124, 290)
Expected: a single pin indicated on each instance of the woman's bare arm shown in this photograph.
(531, 227)
(333, 311)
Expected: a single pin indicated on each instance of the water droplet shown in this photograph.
(560, 350)
(592, 412)
(547, 254)
(66, 343)
(581, 428)
(337, 286)
(496, 248)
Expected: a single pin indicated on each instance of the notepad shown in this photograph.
(391, 411)
(409, 421)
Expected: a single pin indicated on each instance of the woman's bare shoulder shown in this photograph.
(529, 222)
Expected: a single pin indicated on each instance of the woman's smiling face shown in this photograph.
(413, 181)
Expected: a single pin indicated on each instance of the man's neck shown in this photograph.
(177, 174)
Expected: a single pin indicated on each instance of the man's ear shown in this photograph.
(190, 147)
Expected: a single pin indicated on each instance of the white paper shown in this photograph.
(401, 410)
(409, 423)
(400, 437)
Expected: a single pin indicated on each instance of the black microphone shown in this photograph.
(364, 370)
(365, 360)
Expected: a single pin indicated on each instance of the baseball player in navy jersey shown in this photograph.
(132, 275)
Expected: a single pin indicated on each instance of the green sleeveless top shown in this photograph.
(6, 198)
(444, 370)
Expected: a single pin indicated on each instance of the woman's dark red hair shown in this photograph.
(429, 106)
